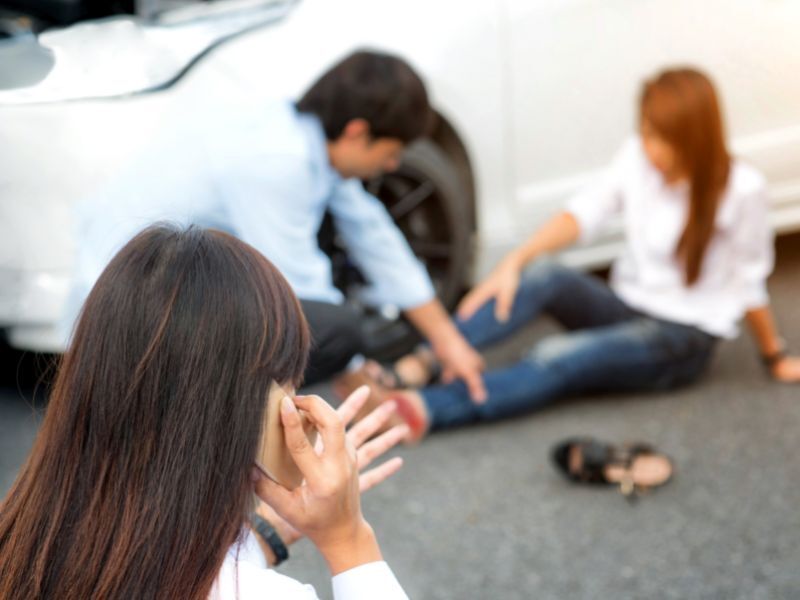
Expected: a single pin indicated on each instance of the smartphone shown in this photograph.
(273, 457)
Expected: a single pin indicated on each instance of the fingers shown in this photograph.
(448, 375)
(296, 440)
(349, 408)
(325, 419)
(375, 448)
(369, 425)
(475, 385)
(381, 473)
(505, 302)
(473, 301)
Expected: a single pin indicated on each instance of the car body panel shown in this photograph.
(539, 92)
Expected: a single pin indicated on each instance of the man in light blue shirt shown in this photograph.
(268, 174)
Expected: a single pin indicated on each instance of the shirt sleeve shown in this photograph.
(601, 199)
(754, 247)
(272, 205)
(245, 576)
(378, 248)
(367, 582)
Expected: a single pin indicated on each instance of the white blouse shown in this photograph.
(245, 576)
(647, 276)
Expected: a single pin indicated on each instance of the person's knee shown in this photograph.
(559, 349)
(346, 335)
(336, 337)
(340, 337)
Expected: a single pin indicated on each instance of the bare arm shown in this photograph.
(761, 323)
(557, 233)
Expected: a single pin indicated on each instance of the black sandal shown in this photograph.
(387, 376)
(587, 460)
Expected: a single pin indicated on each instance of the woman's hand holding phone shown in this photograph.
(326, 507)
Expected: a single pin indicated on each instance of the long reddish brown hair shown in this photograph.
(139, 479)
(682, 106)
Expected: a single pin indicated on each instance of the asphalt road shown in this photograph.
(479, 514)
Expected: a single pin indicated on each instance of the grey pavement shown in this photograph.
(478, 513)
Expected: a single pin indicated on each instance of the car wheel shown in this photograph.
(429, 202)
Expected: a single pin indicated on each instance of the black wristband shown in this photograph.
(268, 533)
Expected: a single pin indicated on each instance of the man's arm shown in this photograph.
(379, 249)
(458, 358)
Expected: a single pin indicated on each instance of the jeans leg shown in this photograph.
(512, 390)
(638, 354)
(574, 298)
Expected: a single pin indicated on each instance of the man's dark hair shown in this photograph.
(381, 89)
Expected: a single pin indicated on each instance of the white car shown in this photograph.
(534, 97)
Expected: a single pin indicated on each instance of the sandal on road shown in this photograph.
(635, 468)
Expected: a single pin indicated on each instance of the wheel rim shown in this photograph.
(421, 212)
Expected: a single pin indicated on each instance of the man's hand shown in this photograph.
(459, 360)
(787, 369)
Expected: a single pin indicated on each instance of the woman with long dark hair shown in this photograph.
(141, 480)
(697, 256)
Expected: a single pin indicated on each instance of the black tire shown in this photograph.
(429, 202)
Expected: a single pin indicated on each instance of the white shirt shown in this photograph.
(648, 277)
(245, 576)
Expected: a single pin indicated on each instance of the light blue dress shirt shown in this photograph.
(262, 173)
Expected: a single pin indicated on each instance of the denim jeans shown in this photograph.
(607, 347)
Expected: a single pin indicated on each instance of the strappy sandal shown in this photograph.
(407, 414)
(635, 468)
(387, 376)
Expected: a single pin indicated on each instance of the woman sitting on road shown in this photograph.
(697, 256)
(142, 480)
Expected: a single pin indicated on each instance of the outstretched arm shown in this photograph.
(502, 283)
(783, 367)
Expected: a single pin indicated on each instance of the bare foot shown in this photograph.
(416, 369)
(411, 408)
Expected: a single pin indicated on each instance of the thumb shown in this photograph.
(505, 302)
(274, 494)
(472, 302)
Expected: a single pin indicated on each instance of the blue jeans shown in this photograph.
(607, 347)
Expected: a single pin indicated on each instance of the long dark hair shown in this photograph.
(682, 106)
(139, 479)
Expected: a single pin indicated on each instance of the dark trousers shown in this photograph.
(335, 338)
